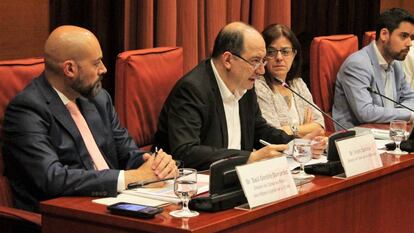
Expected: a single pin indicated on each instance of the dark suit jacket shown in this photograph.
(192, 124)
(45, 155)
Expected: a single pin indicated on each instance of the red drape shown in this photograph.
(193, 24)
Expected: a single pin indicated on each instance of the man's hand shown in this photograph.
(154, 168)
(267, 152)
(164, 166)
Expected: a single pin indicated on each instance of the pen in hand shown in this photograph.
(141, 184)
(155, 152)
(265, 143)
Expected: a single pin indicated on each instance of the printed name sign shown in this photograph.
(358, 154)
(266, 181)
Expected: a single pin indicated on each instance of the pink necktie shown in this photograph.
(88, 139)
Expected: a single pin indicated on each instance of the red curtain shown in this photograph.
(193, 24)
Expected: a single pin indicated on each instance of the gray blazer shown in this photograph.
(355, 105)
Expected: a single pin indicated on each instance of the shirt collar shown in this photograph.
(62, 97)
(225, 93)
(381, 59)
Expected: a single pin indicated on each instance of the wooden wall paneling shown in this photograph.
(166, 23)
(24, 27)
(188, 32)
(406, 4)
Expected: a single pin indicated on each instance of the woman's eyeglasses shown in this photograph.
(286, 52)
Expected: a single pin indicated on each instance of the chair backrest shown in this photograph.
(14, 76)
(368, 37)
(327, 53)
(144, 79)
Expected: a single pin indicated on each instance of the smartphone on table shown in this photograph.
(134, 210)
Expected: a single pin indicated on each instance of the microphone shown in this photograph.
(333, 155)
(395, 102)
(311, 104)
(406, 145)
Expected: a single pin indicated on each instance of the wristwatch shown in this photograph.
(295, 130)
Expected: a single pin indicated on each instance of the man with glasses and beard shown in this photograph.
(62, 134)
(378, 67)
(212, 112)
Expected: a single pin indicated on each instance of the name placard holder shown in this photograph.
(266, 181)
(358, 154)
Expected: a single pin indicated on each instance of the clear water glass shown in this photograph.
(302, 153)
(185, 186)
(397, 134)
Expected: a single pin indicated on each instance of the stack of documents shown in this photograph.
(381, 134)
(154, 196)
(378, 133)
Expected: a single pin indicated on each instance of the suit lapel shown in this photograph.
(95, 123)
(244, 114)
(219, 103)
(378, 84)
(62, 115)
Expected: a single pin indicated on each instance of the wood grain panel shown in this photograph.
(374, 202)
(24, 27)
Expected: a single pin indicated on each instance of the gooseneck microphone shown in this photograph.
(284, 84)
(395, 102)
(333, 166)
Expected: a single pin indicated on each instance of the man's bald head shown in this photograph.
(232, 37)
(68, 43)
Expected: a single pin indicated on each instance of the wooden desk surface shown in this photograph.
(377, 201)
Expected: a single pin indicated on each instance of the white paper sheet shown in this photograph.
(129, 199)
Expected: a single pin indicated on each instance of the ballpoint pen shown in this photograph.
(155, 152)
(141, 184)
(265, 143)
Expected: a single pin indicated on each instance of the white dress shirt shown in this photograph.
(387, 75)
(231, 109)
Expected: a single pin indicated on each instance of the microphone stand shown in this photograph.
(395, 102)
(311, 104)
(332, 150)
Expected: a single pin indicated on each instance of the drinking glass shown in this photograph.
(397, 134)
(185, 186)
(302, 153)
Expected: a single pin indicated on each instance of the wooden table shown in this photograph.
(377, 201)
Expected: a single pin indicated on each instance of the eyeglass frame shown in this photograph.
(255, 66)
(283, 51)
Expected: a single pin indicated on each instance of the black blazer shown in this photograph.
(44, 154)
(192, 124)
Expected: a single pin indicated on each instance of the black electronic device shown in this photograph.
(134, 210)
(390, 146)
(332, 150)
(407, 145)
(333, 166)
(330, 168)
(225, 190)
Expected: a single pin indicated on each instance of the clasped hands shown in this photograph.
(158, 167)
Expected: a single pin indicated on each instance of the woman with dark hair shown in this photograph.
(280, 107)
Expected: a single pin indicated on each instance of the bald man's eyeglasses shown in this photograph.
(255, 64)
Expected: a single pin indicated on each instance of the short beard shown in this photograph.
(394, 55)
(89, 91)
